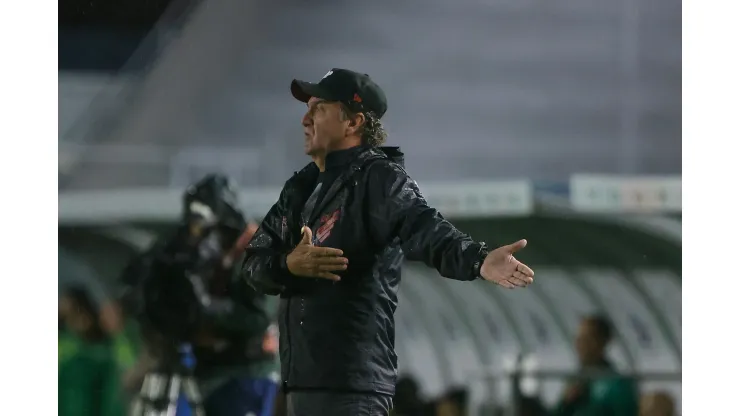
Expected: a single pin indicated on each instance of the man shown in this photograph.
(332, 247)
(234, 343)
(607, 394)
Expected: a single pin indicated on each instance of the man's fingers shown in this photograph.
(336, 261)
(518, 282)
(505, 284)
(307, 236)
(332, 267)
(525, 270)
(326, 252)
(526, 280)
(328, 276)
(513, 248)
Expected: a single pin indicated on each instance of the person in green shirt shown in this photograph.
(609, 394)
(128, 354)
(88, 377)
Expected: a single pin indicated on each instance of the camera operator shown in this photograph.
(184, 289)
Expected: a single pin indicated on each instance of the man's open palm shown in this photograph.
(502, 268)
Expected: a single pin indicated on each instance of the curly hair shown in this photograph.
(373, 132)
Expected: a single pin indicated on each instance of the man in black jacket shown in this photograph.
(332, 248)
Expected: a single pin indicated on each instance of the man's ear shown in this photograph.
(356, 121)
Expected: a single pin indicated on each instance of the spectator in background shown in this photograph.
(453, 403)
(120, 332)
(125, 344)
(407, 401)
(88, 382)
(657, 404)
(607, 394)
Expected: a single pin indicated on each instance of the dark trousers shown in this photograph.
(315, 403)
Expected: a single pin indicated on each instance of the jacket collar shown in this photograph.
(305, 179)
(310, 172)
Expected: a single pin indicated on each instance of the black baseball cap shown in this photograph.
(354, 89)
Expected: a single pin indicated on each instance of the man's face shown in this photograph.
(589, 345)
(323, 126)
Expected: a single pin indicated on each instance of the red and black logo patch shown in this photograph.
(327, 224)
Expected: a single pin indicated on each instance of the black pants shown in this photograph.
(319, 403)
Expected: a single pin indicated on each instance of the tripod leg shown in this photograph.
(192, 393)
(173, 394)
(152, 392)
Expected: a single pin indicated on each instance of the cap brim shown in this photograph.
(303, 91)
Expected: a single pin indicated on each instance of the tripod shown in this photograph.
(161, 392)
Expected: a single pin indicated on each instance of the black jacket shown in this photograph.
(340, 336)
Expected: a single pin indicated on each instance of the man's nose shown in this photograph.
(306, 121)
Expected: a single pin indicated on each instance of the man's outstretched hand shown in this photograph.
(307, 260)
(502, 268)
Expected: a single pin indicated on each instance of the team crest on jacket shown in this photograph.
(327, 224)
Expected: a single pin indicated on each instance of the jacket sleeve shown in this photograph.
(264, 267)
(397, 209)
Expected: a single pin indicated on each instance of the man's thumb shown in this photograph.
(513, 248)
(307, 235)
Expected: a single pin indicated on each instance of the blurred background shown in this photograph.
(557, 121)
